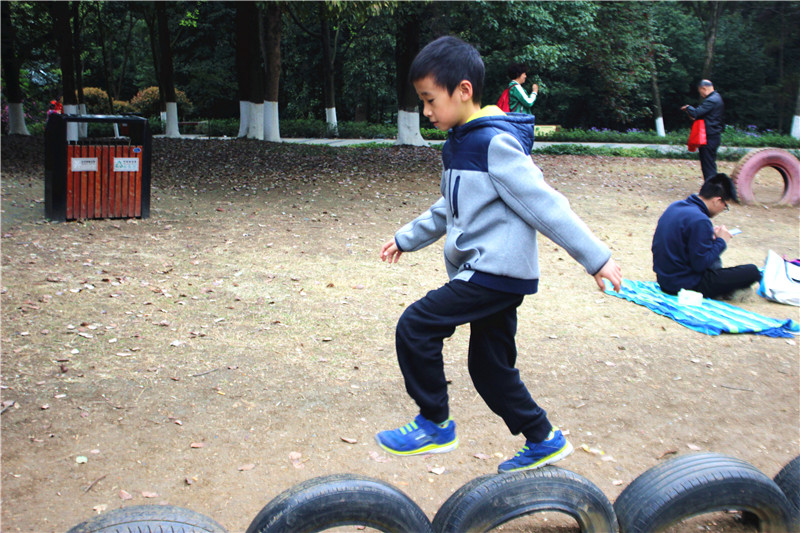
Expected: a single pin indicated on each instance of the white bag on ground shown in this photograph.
(780, 281)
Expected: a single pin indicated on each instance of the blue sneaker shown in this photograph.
(537, 454)
(419, 436)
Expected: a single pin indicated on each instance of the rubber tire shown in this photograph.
(696, 484)
(337, 500)
(788, 479)
(149, 518)
(489, 501)
(784, 162)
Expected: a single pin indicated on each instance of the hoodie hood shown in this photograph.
(519, 125)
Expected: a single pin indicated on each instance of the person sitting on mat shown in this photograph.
(687, 246)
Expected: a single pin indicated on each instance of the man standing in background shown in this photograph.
(711, 110)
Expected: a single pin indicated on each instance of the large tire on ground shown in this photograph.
(788, 479)
(341, 499)
(784, 162)
(489, 501)
(149, 518)
(696, 484)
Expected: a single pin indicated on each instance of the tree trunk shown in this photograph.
(59, 11)
(328, 85)
(659, 115)
(406, 49)
(243, 74)
(77, 23)
(708, 13)
(271, 52)
(12, 88)
(167, 72)
(796, 119)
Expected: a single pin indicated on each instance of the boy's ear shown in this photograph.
(465, 90)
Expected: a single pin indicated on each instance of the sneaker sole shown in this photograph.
(431, 448)
(550, 459)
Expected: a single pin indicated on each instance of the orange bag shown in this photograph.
(697, 137)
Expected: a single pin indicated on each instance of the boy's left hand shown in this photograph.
(612, 272)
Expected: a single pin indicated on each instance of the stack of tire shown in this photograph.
(666, 494)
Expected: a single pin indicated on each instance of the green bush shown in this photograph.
(121, 107)
(96, 100)
(732, 136)
(147, 103)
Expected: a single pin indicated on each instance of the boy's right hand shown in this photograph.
(390, 252)
(612, 272)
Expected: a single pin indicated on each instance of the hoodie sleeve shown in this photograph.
(423, 230)
(521, 186)
(704, 249)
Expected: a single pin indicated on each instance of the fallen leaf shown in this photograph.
(668, 452)
(378, 458)
(349, 440)
(148, 494)
(438, 470)
(125, 495)
(197, 444)
(245, 468)
(694, 447)
(593, 451)
(296, 459)
(482, 456)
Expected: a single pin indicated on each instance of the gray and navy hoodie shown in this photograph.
(494, 200)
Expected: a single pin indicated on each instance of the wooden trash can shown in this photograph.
(97, 177)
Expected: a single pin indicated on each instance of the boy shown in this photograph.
(493, 202)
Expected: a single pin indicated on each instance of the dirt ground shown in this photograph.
(240, 340)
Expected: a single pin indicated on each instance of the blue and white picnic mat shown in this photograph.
(712, 317)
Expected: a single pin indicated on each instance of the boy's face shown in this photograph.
(445, 110)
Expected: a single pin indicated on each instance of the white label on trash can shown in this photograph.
(126, 164)
(83, 164)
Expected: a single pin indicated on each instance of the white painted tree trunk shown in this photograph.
(796, 127)
(172, 131)
(660, 127)
(16, 120)
(272, 130)
(256, 124)
(330, 119)
(408, 129)
(244, 118)
(72, 127)
(83, 127)
(163, 116)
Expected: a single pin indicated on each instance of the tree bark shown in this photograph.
(708, 13)
(243, 74)
(271, 52)
(167, 73)
(796, 119)
(406, 49)
(11, 68)
(659, 115)
(328, 85)
(59, 11)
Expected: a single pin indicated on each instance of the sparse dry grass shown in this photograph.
(251, 313)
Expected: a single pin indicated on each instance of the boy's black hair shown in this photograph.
(449, 60)
(515, 70)
(720, 185)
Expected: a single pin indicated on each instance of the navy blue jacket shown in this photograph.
(684, 246)
(711, 110)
